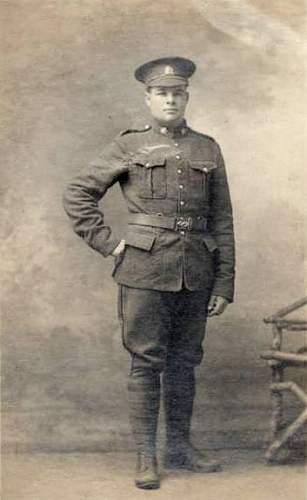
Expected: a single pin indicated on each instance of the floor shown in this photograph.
(109, 476)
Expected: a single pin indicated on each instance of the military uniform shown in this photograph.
(179, 249)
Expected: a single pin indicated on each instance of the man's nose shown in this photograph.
(170, 98)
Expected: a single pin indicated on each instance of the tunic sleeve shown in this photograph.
(221, 227)
(82, 195)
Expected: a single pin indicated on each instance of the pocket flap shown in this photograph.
(204, 165)
(210, 242)
(140, 240)
(150, 161)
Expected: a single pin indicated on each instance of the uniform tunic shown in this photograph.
(171, 172)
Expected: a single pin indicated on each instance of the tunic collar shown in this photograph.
(180, 129)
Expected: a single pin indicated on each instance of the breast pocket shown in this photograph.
(199, 173)
(151, 176)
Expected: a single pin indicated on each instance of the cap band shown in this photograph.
(166, 81)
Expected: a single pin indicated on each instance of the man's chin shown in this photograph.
(169, 119)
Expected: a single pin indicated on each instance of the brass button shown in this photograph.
(164, 130)
(176, 144)
(178, 157)
(147, 164)
(147, 127)
(182, 202)
(180, 186)
(179, 171)
(182, 233)
(205, 170)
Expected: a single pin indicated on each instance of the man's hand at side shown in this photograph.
(217, 305)
(119, 249)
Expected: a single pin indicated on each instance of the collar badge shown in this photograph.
(164, 130)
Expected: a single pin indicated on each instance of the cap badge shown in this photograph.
(169, 70)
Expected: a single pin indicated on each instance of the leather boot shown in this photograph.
(178, 398)
(190, 458)
(146, 472)
(144, 402)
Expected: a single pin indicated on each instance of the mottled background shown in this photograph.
(68, 89)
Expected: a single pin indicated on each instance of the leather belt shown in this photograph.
(177, 223)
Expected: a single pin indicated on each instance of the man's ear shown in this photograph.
(147, 97)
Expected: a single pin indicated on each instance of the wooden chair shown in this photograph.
(278, 360)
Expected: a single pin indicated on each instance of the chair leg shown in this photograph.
(286, 435)
(301, 420)
(277, 402)
(277, 371)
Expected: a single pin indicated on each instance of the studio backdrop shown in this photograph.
(69, 89)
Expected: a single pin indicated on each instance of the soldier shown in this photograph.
(174, 266)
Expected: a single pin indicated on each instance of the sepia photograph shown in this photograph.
(154, 297)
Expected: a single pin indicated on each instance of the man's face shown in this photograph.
(167, 104)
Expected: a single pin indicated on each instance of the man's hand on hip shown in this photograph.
(217, 305)
(119, 249)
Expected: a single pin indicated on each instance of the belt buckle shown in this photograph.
(184, 223)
